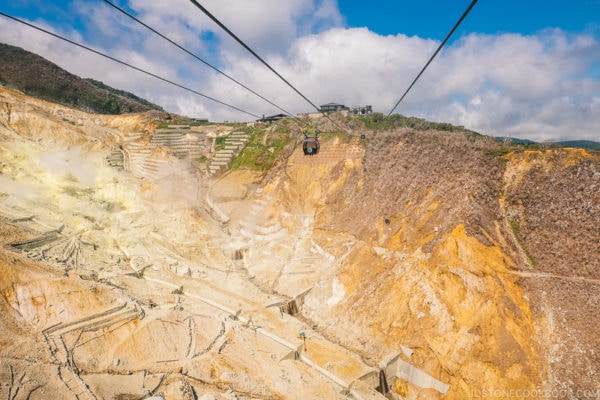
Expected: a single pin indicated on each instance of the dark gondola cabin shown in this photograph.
(310, 145)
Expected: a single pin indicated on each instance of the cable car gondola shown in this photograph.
(310, 145)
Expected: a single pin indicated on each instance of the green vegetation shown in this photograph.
(503, 148)
(263, 148)
(499, 152)
(516, 232)
(123, 93)
(582, 144)
(379, 122)
(164, 124)
(219, 141)
(38, 77)
(201, 159)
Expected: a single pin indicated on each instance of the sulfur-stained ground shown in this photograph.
(417, 256)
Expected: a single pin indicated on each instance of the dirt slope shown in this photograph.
(446, 231)
(429, 260)
(553, 206)
(420, 261)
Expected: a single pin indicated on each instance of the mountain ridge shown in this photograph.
(37, 77)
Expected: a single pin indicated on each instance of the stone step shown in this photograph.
(213, 169)
(240, 138)
(226, 161)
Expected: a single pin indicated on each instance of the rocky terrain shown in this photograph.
(413, 264)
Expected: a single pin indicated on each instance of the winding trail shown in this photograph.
(578, 279)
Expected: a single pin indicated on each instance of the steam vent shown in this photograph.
(146, 260)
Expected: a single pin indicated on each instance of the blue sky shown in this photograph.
(527, 69)
(433, 19)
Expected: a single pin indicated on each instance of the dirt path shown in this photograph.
(527, 274)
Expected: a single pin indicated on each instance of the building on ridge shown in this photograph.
(361, 110)
(333, 107)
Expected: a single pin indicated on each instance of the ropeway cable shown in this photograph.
(196, 56)
(434, 54)
(128, 65)
(259, 58)
(244, 45)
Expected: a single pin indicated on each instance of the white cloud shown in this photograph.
(537, 86)
(268, 26)
(525, 86)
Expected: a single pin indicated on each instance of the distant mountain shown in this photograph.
(583, 144)
(514, 140)
(37, 77)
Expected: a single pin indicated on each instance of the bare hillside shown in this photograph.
(145, 263)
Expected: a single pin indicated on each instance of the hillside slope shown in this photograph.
(38, 77)
(415, 264)
(486, 266)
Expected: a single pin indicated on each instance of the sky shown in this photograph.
(523, 69)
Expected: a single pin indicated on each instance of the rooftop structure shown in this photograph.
(332, 107)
